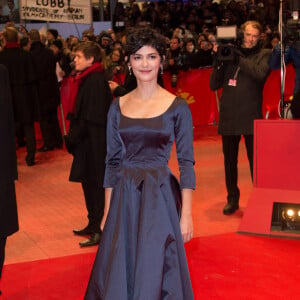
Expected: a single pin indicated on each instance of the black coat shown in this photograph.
(240, 105)
(22, 79)
(8, 160)
(87, 131)
(48, 87)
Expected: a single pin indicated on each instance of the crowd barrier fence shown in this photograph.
(193, 86)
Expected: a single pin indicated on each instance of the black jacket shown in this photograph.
(23, 83)
(240, 105)
(8, 160)
(45, 67)
(87, 131)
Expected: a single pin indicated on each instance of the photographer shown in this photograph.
(174, 59)
(242, 78)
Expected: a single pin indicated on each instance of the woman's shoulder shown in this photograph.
(114, 107)
(181, 108)
(180, 103)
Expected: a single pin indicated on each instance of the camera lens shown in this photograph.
(225, 51)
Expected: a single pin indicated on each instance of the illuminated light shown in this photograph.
(286, 217)
(290, 213)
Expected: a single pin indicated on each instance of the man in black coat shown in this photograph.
(86, 138)
(242, 81)
(22, 79)
(48, 92)
(8, 166)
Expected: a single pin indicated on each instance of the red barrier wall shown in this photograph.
(193, 86)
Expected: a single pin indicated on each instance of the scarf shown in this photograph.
(9, 45)
(78, 79)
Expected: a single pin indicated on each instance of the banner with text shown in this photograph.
(67, 11)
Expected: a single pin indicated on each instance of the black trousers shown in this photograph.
(29, 134)
(50, 130)
(230, 145)
(94, 201)
(2, 253)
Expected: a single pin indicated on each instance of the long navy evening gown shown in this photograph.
(141, 255)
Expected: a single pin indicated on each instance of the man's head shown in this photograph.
(175, 43)
(11, 35)
(51, 34)
(34, 35)
(252, 31)
(56, 46)
(86, 53)
(11, 4)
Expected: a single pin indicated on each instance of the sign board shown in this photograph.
(67, 11)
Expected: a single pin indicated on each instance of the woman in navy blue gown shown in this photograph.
(148, 213)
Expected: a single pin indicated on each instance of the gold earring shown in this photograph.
(129, 70)
(161, 69)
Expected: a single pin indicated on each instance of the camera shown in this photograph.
(291, 30)
(292, 33)
(228, 39)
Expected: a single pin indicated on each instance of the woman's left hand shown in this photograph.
(186, 225)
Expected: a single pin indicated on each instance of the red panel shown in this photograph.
(276, 174)
(277, 154)
(257, 217)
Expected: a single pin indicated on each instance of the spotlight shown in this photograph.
(290, 218)
(286, 217)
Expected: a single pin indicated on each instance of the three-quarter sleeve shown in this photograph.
(184, 145)
(114, 146)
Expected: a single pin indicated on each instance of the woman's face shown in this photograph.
(145, 63)
(190, 47)
(115, 56)
(81, 62)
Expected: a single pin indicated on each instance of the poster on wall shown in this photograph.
(9, 11)
(67, 11)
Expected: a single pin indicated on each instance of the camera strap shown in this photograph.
(233, 81)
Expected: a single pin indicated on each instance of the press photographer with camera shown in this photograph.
(174, 59)
(241, 71)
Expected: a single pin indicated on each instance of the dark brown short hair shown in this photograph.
(144, 36)
(90, 49)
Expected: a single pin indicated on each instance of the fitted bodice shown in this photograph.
(146, 143)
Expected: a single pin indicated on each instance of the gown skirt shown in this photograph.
(141, 255)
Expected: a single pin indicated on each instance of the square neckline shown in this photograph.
(148, 118)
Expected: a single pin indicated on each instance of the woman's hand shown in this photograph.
(112, 85)
(186, 220)
(186, 225)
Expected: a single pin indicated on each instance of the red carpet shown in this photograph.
(228, 266)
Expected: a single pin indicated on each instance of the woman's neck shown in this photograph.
(146, 90)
